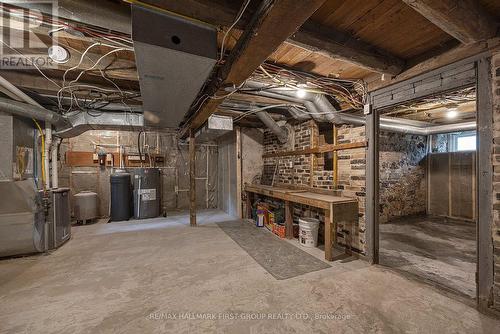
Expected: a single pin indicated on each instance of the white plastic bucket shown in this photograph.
(260, 221)
(308, 232)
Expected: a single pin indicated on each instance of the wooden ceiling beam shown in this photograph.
(338, 45)
(272, 23)
(415, 68)
(465, 20)
(315, 38)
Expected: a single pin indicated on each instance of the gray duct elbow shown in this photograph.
(280, 132)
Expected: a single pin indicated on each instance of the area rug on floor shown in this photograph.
(278, 257)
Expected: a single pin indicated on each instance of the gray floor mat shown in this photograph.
(278, 257)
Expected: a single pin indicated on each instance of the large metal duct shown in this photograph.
(81, 121)
(319, 108)
(174, 57)
(280, 132)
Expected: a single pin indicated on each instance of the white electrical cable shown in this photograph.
(231, 27)
(97, 62)
(256, 110)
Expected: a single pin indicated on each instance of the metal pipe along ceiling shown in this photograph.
(319, 108)
(27, 110)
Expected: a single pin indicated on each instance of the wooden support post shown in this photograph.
(192, 179)
(372, 185)
(288, 220)
(484, 191)
(328, 235)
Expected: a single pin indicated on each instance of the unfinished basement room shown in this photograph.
(250, 166)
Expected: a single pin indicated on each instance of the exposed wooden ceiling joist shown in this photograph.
(446, 58)
(465, 20)
(338, 45)
(272, 23)
(322, 40)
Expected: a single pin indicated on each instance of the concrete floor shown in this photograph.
(162, 276)
(438, 250)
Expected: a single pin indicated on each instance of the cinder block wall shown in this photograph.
(495, 62)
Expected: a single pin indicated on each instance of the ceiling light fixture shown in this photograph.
(452, 113)
(58, 54)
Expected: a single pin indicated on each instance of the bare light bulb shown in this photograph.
(452, 113)
(301, 93)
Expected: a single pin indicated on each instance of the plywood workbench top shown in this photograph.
(306, 194)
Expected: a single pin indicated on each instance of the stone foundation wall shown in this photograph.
(403, 185)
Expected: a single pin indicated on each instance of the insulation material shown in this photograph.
(439, 184)
(227, 174)
(212, 177)
(183, 200)
(183, 169)
(168, 186)
(174, 173)
(201, 161)
(252, 149)
(201, 193)
(452, 184)
(462, 186)
(104, 188)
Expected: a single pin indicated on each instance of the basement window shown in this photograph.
(466, 143)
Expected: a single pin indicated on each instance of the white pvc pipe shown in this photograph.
(19, 93)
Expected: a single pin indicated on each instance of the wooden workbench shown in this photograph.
(337, 209)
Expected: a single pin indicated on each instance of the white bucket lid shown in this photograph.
(307, 220)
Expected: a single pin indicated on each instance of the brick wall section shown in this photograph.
(352, 180)
(403, 187)
(290, 170)
(297, 170)
(496, 178)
